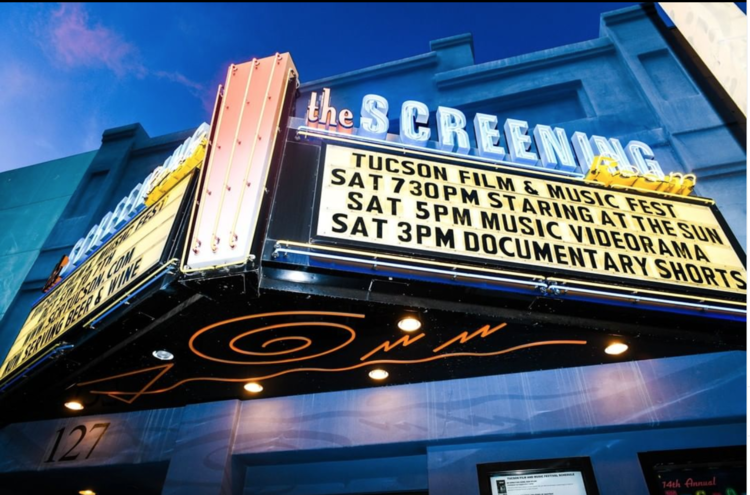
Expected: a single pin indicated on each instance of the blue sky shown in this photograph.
(70, 71)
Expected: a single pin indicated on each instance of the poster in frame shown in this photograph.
(717, 470)
(564, 476)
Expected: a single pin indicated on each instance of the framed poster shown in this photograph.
(713, 471)
(568, 476)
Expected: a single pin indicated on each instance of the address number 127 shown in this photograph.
(100, 428)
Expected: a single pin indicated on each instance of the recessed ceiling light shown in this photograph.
(254, 387)
(74, 405)
(409, 323)
(299, 277)
(87, 492)
(616, 348)
(378, 374)
(163, 355)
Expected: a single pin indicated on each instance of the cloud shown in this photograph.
(17, 80)
(74, 40)
(40, 142)
(77, 42)
(180, 79)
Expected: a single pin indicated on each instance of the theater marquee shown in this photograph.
(275, 254)
(493, 217)
(117, 266)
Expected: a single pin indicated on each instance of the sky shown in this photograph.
(71, 71)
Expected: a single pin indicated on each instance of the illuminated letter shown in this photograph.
(411, 112)
(312, 109)
(127, 207)
(200, 131)
(623, 160)
(451, 123)
(373, 120)
(115, 221)
(134, 202)
(170, 164)
(601, 147)
(642, 156)
(193, 142)
(75, 254)
(583, 151)
(327, 114)
(104, 229)
(346, 119)
(150, 183)
(519, 142)
(88, 243)
(488, 137)
(553, 145)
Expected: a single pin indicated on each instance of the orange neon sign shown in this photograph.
(386, 346)
(245, 126)
(284, 358)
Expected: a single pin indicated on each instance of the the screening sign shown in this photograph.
(425, 205)
(131, 253)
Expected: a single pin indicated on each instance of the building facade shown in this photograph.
(443, 428)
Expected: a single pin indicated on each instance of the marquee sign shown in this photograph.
(554, 151)
(305, 247)
(119, 264)
(493, 217)
(245, 125)
(187, 156)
